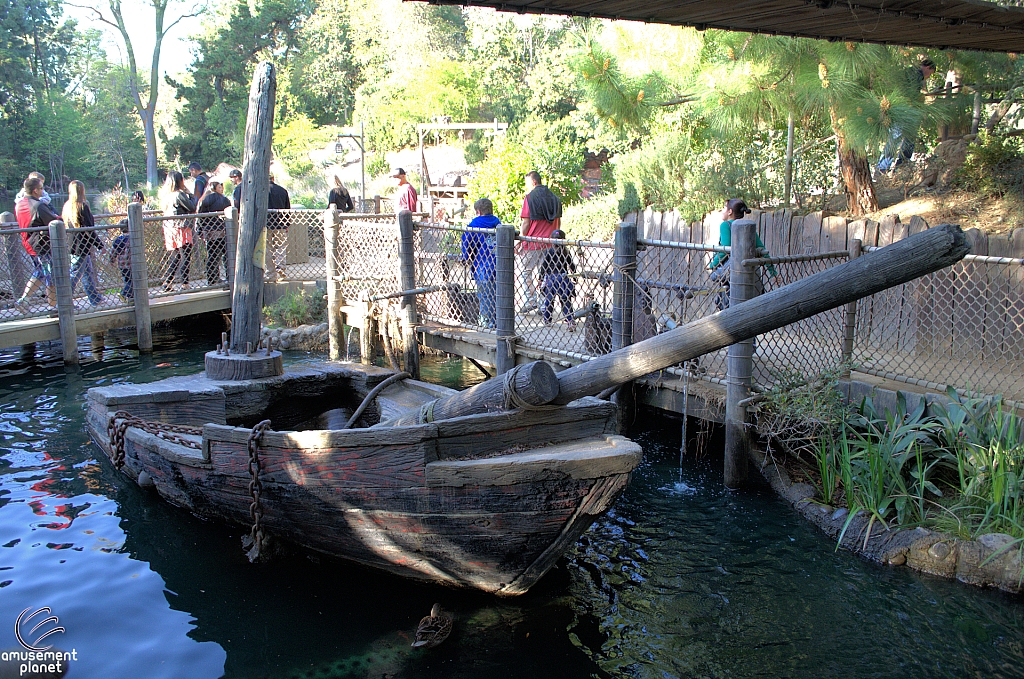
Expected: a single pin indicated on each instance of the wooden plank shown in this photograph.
(810, 233)
(833, 234)
(969, 302)
(855, 230)
(1014, 339)
(871, 228)
(917, 225)
(780, 236)
(587, 459)
(996, 296)
(887, 229)
(796, 231)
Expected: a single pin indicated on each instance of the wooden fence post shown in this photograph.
(231, 244)
(335, 328)
(740, 357)
(623, 295)
(17, 258)
(140, 278)
(407, 279)
(62, 283)
(376, 205)
(368, 336)
(505, 298)
(850, 317)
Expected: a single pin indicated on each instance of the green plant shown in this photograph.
(994, 166)
(296, 308)
(828, 470)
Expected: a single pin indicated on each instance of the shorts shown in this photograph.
(43, 269)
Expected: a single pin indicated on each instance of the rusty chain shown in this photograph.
(254, 542)
(168, 432)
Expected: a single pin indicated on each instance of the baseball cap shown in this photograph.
(235, 173)
(397, 172)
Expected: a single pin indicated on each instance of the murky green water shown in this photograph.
(681, 580)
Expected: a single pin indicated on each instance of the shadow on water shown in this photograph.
(681, 579)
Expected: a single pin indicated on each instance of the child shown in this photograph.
(478, 249)
(555, 266)
(121, 253)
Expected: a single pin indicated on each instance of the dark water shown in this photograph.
(681, 580)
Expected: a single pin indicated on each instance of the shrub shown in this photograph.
(296, 308)
(994, 167)
(593, 220)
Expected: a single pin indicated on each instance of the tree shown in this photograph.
(146, 108)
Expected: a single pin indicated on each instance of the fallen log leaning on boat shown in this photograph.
(873, 272)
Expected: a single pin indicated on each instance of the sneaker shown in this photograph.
(528, 307)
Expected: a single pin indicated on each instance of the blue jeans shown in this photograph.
(485, 292)
(557, 285)
(128, 291)
(82, 267)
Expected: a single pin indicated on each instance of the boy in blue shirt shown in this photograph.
(478, 249)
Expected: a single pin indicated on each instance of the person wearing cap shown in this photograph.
(277, 227)
(196, 172)
(236, 180)
(405, 198)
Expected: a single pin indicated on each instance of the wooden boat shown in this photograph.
(488, 501)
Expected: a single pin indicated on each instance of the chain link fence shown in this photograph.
(295, 245)
(961, 326)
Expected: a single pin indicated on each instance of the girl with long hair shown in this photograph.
(178, 232)
(81, 244)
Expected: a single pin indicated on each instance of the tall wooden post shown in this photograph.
(17, 261)
(407, 278)
(623, 296)
(140, 278)
(335, 328)
(62, 282)
(740, 357)
(850, 316)
(376, 204)
(230, 245)
(505, 298)
(247, 300)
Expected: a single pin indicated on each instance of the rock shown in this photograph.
(996, 541)
(898, 559)
(799, 492)
(840, 514)
(940, 550)
(145, 480)
(285, 344)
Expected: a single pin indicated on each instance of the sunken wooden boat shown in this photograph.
(487, 501)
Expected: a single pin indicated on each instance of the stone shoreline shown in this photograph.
(919, 548)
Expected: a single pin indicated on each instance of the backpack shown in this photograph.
(39, 241)
(122, 253)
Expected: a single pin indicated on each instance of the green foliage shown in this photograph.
(994, 167)
(500, 178)
(377, 164)
(630, 200)
(295, 139)
(296, 308)
(595, 219)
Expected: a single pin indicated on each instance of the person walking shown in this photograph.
(213, 231)
(554, 268)
(478, 250)
(405, 197)
(81, 244)
(339, 197)
(177, 232)
(277, 228)
(541, 215)
(195, 170)
(32, 212)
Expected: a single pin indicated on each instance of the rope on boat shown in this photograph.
(254, 542)
(373, 394)
(168, 432)
(512, 399)
(427, 412)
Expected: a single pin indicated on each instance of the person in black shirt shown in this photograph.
(211, 229)
(236, 180)
(340, 197)
(555, 266)
(201, 180)
(277, 227)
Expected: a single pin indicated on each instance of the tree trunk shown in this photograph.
(152, 179)
(856, 172)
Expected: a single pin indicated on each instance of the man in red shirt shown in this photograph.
(405, 197)
(541, 214)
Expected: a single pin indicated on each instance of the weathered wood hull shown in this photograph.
(485, 501)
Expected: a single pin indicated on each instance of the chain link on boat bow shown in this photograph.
(168, 432)
(254, 542)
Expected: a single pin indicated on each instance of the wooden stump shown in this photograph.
(243, 366)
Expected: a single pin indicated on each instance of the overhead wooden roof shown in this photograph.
(943, 24)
